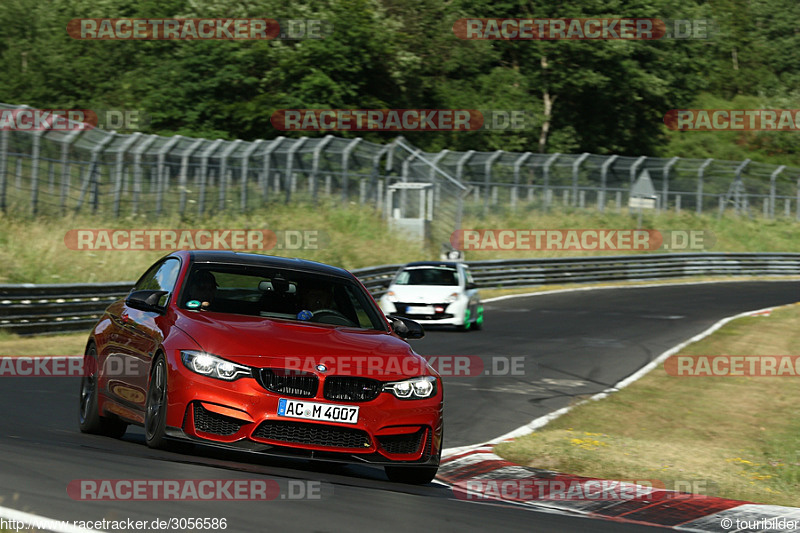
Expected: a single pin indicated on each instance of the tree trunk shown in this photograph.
(548, 102)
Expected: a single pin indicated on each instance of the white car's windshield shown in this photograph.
(427, 276)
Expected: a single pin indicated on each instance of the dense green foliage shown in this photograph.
(607, 96)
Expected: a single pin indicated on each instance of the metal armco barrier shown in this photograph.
(41, 309)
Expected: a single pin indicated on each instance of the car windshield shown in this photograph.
(279, 293)
(427, 276)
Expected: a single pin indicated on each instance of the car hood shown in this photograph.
(424, 293)
(263, 342)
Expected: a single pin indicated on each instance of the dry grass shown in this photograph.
(33, 250)
(72, 344)
(737, 435)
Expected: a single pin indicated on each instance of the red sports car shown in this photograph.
(265, 354)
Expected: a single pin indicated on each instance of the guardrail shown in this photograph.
(40, 309)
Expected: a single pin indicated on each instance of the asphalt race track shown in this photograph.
(573, 343)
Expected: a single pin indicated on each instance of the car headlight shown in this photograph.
(213, 366)
(391, 297)
(412, 389)
(452, 298)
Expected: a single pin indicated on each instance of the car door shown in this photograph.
(136, 337)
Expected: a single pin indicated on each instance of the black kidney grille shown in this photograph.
(210, 422)
(289, 382)
(408, 443)
(315, 434)
(351, 389)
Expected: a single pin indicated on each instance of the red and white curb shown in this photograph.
(476, 473)
(470, 475)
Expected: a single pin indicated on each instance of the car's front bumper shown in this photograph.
(242, 414)
(451, 314)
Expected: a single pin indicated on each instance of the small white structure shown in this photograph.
(413, 226)
(643, 193)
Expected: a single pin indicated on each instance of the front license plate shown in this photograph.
(318, 411)
(419, 310)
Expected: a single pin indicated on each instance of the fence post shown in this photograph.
(739, 187)
(517, 165)
(161, 178)
(460, 165)
(119, 171)
(346, 166)
(90, 173)
(36, 150)
(204, 157)
(700, 175)
(487, 172)
(65, 172)
(268, 166)
(223, 173)
(635, 168)
(245, 170)
(290, 155)
(546, 175)
(404, 172)
(797, 201)
(576, 168)
(772, 179)
(3, 167)
(665, 186)
(601, 195)
(317, 155)
(434, 167)
(377, 184)
(183, 177)
(137, 169)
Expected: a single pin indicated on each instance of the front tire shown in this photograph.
(155, 413)
(89, 419)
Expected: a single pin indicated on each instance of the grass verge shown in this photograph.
(33, 250)
(736, 435)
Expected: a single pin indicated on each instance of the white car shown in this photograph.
(432, 293)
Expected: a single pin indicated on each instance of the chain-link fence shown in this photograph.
(57, 171)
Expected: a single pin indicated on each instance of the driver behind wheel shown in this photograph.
(314, 297)
(202, 290)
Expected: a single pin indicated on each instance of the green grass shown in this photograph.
(736, 434)
(33, 250)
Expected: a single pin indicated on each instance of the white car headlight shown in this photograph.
(391, 297)
(452, 298)
(412, 389)
(213, 366)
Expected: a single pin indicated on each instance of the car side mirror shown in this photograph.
(146, 300)
(470, 286)
(406, 328)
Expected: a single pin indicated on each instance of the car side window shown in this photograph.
(160, 277)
